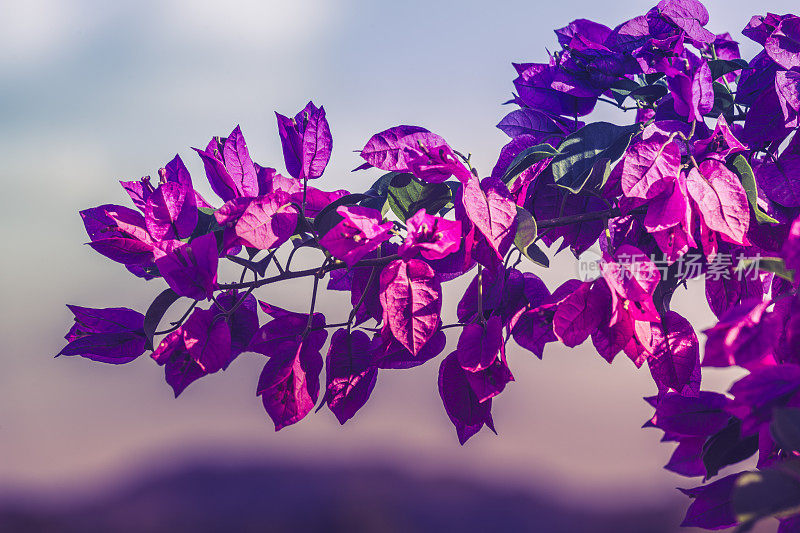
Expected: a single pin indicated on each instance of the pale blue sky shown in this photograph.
(92, 92)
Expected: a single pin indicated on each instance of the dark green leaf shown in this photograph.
(785, 429)
(649, 94)
(407, 196)
(748, 178)
(535, 254)
(526, 159)
(624, 84)
(526, 237)
(348, 199)
(767, 264)
(206, 223)
(619, 95)
(587, 156)
(328, 217)
(156, 312)
(727, 447)
(455, 187)
(720, 67)
(723, 100)
(304, 226)
(378, 191)
(526, 229)
(777, 267)
(765, 493)
(650, 79)
(622, 88)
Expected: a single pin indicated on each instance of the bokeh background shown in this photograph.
(92, 92)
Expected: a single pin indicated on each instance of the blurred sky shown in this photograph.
(92, 92)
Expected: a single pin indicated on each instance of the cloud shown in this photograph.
(248, 24)
(36, 34)
(33, 31)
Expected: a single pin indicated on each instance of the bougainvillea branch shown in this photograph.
(703, 182)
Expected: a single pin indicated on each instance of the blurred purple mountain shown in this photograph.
(282, 499)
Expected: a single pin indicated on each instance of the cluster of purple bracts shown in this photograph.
(709, 167)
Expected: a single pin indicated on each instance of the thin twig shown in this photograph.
(355, 309)
(584, 217)
(178, 323)
(309, 272)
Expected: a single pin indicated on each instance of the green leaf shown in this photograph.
(720, 67)
(206, 223)
(378, 191)
(785, 428)
(526, 159)
(727, 447)
(777, 267)
(328, 217)
(156, 312)
(723, 100)
(765, 493)
(767, 264)
(619, 95)
(348, 199)
(407, 195)
(624, 84)
(526, 230)
(304, 226)
(455, 187)
(622, 88)
(649, 94)
(654, 77)
(535, 254)
(526, 237)
(748, 178)
(586, 157)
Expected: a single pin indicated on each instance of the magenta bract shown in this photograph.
(351, 373)
(112, 335)
(267, 222)
(359, 233)
(430, 236)
(462, 405)
(410, 296)
(488, 204)
(307, 142)
(191, 269)
(207, 337)
(479, 344)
